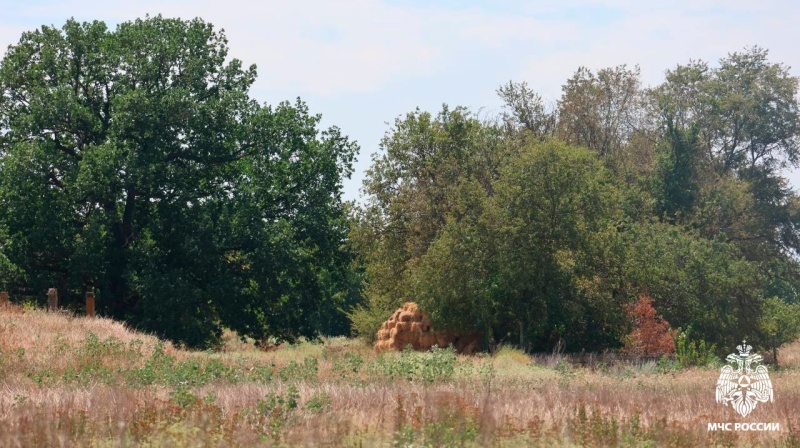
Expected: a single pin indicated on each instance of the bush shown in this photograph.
(277, 410)
(319, 402)
(780, 323)
(651, 335)
(694, 353)
(367, 320)
(294, 371)
(163, 369)
(438, 364)
(350, 364)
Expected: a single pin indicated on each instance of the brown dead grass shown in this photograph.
(789, 355)
(37, 330)
(504, 400)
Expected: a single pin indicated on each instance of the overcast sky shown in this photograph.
(361, 63)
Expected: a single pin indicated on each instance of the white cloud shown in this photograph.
(333, 48)
(410, 53)
(362, 46)
(374, 43)
(659, 39)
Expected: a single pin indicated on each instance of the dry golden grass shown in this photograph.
(37, 329)
(61, 386)
(789, 355)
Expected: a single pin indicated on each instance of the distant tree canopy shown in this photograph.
(134, 161)
(546, 224)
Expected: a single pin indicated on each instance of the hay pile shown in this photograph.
(410, 326)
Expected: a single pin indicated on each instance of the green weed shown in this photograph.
(318, 403)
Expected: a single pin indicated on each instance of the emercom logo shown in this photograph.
(744, 426)
(745, 382)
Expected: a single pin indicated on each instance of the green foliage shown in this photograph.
(93, 357)
(278, 409)
(109, 361)
(676, 178)
(740, 121)
(597, 110)
(525, 109)
(135, 162)
(667, 364)
(46, 376)
(438, 364)
(780, 320)
(558, 256)
(565, 369)
(529, 256)
(695, 282)
(521, 237)
(88, 374)
(745, 108)
(366, 319)
(160, 368)
(294, 371)
(453, 424)
(349, 364)
(319, 402)
(521, 246)
(593, 428)
(154, 369)
(280, 404)
(692, 352)
(182, 396)
(414, 188)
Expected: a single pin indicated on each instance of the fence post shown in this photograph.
(90, 304)
(52, 299)
(3, 298)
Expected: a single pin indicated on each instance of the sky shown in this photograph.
(362, 63)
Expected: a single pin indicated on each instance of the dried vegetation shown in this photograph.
(73, 381)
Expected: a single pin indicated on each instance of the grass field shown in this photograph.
(74, 381)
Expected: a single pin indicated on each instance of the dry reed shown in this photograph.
(73, 381)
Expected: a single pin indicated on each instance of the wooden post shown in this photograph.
(52, 299)
(90, 304)
(3, 298)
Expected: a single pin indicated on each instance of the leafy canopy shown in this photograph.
(543, 225)
(135, 162)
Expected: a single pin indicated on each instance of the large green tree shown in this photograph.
(598, 110)
(535, 260)
(525, 238)
(728, 132)
(135, 162)
(559, 213)
(426, 175)
(742, 120)
(491, 231)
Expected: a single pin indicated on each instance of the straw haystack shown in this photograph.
(410, 326)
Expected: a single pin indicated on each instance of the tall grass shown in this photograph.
(73, 381)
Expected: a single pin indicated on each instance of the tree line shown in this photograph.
(545, 224)
(134, 162)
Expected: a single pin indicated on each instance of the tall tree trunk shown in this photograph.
(119, 296)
